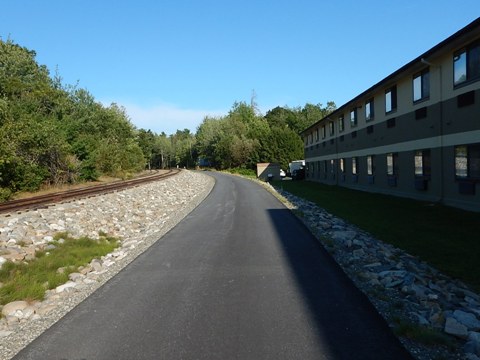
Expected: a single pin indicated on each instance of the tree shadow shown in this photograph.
(345, 319)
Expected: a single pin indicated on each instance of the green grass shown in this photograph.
(446, 238)
(424, 335)
(29, 281)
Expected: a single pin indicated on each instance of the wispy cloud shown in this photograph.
(166, 117)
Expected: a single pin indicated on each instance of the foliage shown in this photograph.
(243, 137)
(54, 134)
(243, 172)
(29, 281)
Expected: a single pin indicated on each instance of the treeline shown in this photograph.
(244, 138)
(52, 134)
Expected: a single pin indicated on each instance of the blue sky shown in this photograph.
(172, 62)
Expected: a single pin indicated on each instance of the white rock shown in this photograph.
(343, 235)
(65, 287)
(453, 327)
(11, 308)
(5, 333)
(467, 319)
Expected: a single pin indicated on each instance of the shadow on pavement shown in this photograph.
(345, 319)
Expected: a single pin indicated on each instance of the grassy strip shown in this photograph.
(29, 281)
(445, 237)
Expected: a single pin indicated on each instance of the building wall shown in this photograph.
(264, 169)
(448, 118)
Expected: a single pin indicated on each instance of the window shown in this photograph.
(325, 168)
(324, 132)
(353, 118)
(342, 165)
(354, 166)
(331, 125)
(390, 168)
(467, 161)
(422, 163)
(341, 124)
(310, 138)
(332, 166)
(391, 99)
(421, 86)
(369, 110)
(316, 134)
(370, 165)
(466, 64)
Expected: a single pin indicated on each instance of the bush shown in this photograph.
(5, 194)
(243, 171)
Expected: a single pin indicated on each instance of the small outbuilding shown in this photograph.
(266, 169)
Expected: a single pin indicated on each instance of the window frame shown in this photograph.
(392, 90)
(471, 165)
(370, 165)
(354, 117)
(390, 164)
(424, 88)
(341, 123)
(422, 163)
(471, 57)
(331, 128)
(370, 109)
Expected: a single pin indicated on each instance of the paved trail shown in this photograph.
(238, 278)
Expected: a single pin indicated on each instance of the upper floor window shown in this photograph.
(466, 64)
(391, 99)
(331, 126)
(310, 138)
(341, 124)
(353, 118)
(316, 134)
(421, 85)
(369, 110)
(324, 132)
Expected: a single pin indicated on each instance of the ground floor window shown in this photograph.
(354, 166)
(370, 165)
(422, 163)
(467, 161)
(391, 163)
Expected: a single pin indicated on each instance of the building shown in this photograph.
(415, 133)
(268, 171)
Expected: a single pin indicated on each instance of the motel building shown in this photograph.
(414, 134)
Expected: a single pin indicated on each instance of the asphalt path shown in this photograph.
(239, 278)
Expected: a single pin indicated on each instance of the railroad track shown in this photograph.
(43, 201)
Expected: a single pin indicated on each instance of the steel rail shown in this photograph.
(43, 201)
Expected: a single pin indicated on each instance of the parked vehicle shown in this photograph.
(298, 174)
(295, 165)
